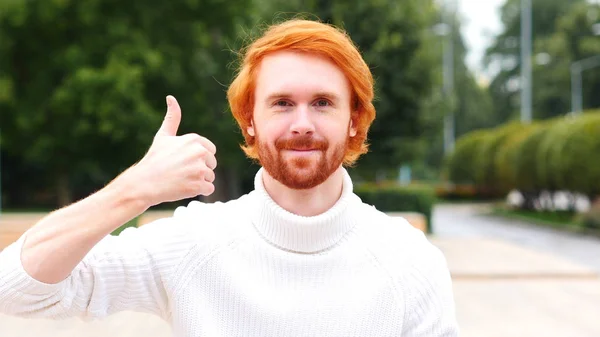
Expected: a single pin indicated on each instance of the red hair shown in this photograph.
(313, 38)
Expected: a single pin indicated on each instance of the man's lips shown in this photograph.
(302, 150)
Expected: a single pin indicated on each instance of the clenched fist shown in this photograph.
(175, 167)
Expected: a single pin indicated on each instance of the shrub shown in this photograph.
(526, 164)
(549, 151)
(505, 167)
(457, 192)
(395, 198)
(459, 165)
(487, 177)
(578, 169)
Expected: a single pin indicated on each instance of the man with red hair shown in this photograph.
(300, 255)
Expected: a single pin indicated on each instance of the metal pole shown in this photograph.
(449, 132)
(576, 99)
(577, 68)
(526, 61)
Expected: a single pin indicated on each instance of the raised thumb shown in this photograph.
(172, 118)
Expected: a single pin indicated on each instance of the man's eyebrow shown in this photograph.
(277, 95)
(320, 94)
(329, 95)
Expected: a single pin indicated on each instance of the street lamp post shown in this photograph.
(577, 68)
(445, 29)
(448, 61)
(526, 61)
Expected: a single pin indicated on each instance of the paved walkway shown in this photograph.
(516, 279)
(510, 279)
(460, 221)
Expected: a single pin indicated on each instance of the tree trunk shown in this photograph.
(63, 190)
(227, 185)
(529, 200)
(572, 201)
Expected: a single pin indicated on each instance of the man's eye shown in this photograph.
(281, 103)
(323, 102)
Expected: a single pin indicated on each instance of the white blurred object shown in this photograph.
(582, 204)
(515, 198)
(543, 59)
(561, 201)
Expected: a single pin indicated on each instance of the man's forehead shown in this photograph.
(287, 73)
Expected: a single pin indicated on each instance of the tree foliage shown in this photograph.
(562, 33)
(84, 82)
(572, 40)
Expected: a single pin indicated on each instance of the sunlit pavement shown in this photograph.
(510, 279)
(514, 279)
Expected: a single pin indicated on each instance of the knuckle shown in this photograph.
(211, 161)
(191, 189)
(199, 151)
(196, 175)
(209, 188)
(192, 137)
(209, 176)
(199, 186)
(201, 168)
(199, 139)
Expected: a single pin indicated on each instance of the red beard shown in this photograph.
(301, 172)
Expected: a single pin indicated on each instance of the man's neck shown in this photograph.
(309, 202)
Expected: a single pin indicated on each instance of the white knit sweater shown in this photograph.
(247, 267)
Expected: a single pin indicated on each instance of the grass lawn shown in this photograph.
(132, 223)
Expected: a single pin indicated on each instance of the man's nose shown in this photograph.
(302, 123)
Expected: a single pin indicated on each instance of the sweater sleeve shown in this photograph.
(430, 307)
(125, 272)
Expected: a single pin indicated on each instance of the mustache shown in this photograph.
(306, 142)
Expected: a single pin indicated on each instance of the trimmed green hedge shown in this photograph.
(526, 164)
(394, 198)
(578, 168)
(506, 157)
(458, 167)
(485, 157)
(556, 154)
(548, 153)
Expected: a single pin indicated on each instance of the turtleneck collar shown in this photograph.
(303, 234)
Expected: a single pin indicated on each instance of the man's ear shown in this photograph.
(352, 129)
(250, 129)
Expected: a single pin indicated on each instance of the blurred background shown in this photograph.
(488, 126)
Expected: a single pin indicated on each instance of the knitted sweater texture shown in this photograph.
(248, 267)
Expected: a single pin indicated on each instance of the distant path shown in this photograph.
(468, 220)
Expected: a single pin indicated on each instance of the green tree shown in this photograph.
(505, 51)
(471, 101)
(83, 83)
(574, 39)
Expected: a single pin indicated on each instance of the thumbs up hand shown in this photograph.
(175, 167)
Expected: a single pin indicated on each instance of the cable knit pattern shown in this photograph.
(248, 267)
